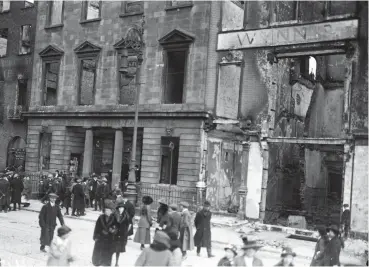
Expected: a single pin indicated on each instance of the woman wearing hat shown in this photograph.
(320, 247)
(103, 236)
(122, 221)
(142, 235)
(78, 199)
(287, 257)
(163, 214)
(158, 254)
(248, 258)
(228, 259)
(60, 253)
(333, 249)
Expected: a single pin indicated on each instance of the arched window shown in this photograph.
(312, 67)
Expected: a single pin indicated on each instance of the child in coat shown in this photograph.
(60, 249)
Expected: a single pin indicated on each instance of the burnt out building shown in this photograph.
(17, 31)
(302, 94)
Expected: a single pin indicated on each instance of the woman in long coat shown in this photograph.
(17, 189)
(320, 248)
(142, 235)
(202, 236)
(103, 237)
(122, 221)
(186, 233)
(78, 199)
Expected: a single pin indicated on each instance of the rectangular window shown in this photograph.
(87, 81)
(45, 150)
(92, 10)
(285, 11)
(174, 76)
(25, 40)
(51, 83)
(133, 7)
(312, 11)
(3, 42)
(4, 6)
(169, 160)
(29, 3)
(22, 93)
(56, 13)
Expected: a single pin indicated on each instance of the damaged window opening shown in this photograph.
(87, 81)
(3, 42)
(55, 13)
(303, 67)
(25, 40)
(174, 76)
(133, 7)
(4, 6)
(226, 157)
(169, 160)
(22, 93)
(92, 10)
(45, 150)
(51, 83)
(284, 11)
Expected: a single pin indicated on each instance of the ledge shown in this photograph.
(168, 8)
(304, 140)
(54, 26)
(26, 54)
(5, 12)
(89, 20)
(124, 15)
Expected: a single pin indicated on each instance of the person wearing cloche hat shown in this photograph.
(228, 259)
(186, 232)
(158, 254)
(287, 257)
(60, 249)
(142, 235)
(202, 236)
(250, 247)
(47, 221)
(162, 214)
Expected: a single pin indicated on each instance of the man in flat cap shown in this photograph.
(47, 221)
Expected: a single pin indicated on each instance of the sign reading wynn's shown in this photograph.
(289, 35)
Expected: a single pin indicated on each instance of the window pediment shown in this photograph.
(177, 36)
(87, 47)
(51, 51)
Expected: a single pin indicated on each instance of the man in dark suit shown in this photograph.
(47, 221)
(202, 237)
(17, 187)
(130, 208)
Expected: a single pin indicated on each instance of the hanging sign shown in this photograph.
(291, 35)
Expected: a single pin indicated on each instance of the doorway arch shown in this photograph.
(16, 155)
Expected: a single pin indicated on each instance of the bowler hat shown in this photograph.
(147, 200)
(334, 228)
(251, 244)
(162, 238)
(52, 195)
(63, 230)
(288, 251)
(232, 248)
(184, 204)
(206, 204)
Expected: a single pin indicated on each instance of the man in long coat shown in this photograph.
(105, 192)
(47, 221)
(185, 229)
(130, 208)
(78, 199)
(4, 192)
(175, 219)
(17, 188)
(203, 232)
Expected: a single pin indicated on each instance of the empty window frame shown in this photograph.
(4, 6)
(25, 40)
(87, 81)
(169, 160)
(45, 150)
(3, 42)
(55, 13)
(174, 76)
(22, 93)
(133, 7)
(29, 3)
(51, 78)
(91, 10)
(283, 11)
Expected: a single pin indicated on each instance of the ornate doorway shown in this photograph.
(16, 153)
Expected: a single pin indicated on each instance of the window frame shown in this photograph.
(162, 146)
(49, 15)
(7, 44)
(8, 10)
(169, 6)
(45, 61)
(296, 19)
(124, 13)
(25, 81)
(179, 48)
(20, 40)
(82, 57)
(40, 149)
(84, 10)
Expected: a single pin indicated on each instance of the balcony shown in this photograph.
(15, 113)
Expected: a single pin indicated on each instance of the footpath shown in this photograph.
(228, 230)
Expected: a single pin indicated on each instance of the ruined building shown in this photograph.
(298, 75)
(17, 31)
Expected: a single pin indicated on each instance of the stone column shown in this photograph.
(88, 153)
(118, 157)
(242, 191)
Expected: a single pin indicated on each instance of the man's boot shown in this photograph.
(209, 253)
(14, 207)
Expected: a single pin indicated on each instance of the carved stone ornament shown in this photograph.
(232, 56)
(169, 131)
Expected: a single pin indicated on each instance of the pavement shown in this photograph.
(224, 231)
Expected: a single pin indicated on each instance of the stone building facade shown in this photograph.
(17, 31)
(303, 89)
